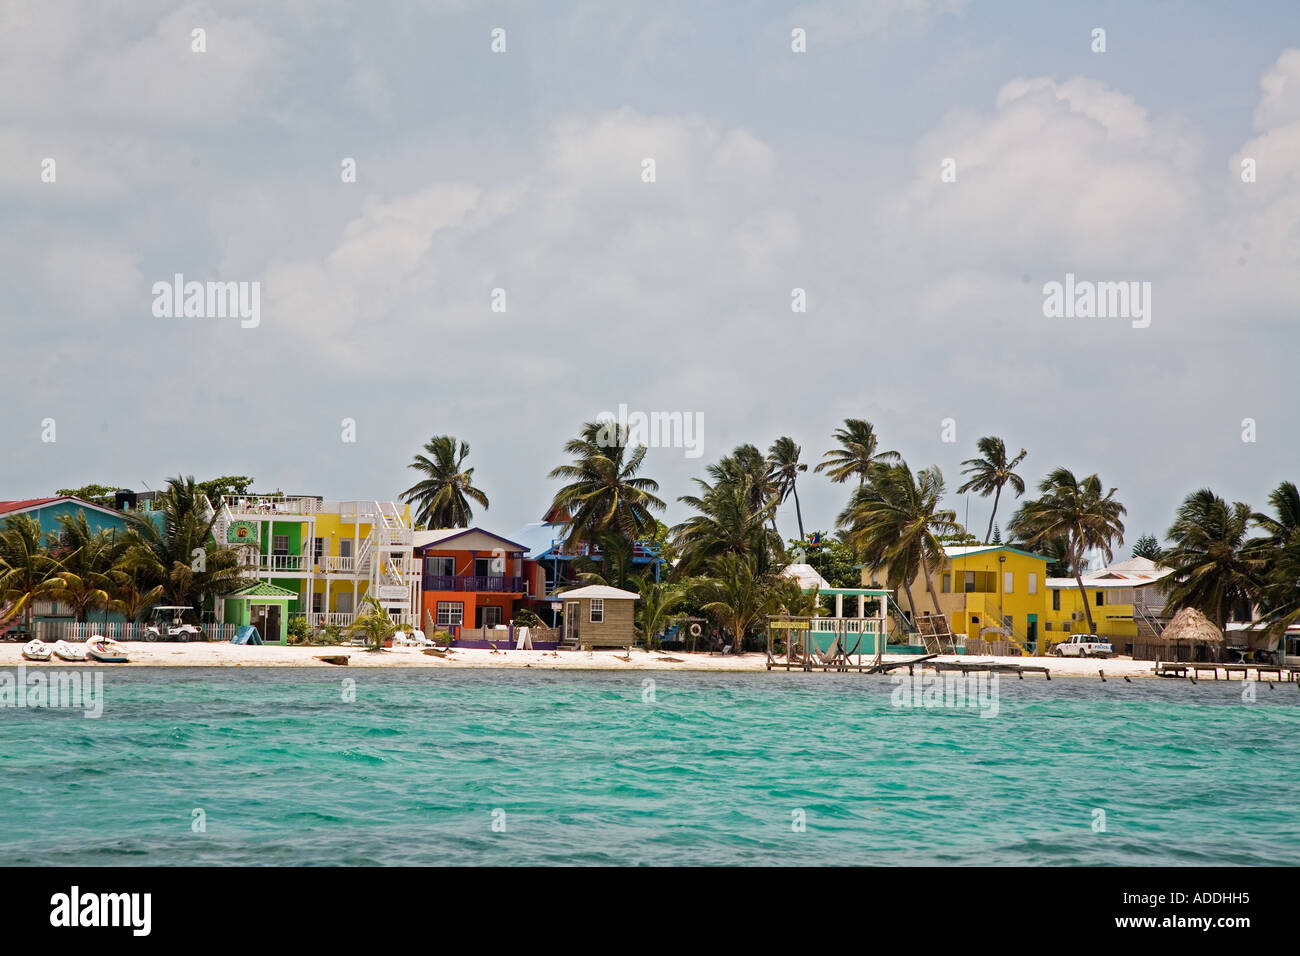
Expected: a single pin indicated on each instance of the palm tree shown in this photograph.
(991, 473)
(85, 557)
(27, 571)
(1076, 511)
(181, 556)
(1280, 554)
(737, 595)
(442, 496)
(127, 598)
(728, 522)
(657, 608)
(374, 624)
(784, 468)
(1215, 565)
(896, 521)
(857, 454)
(603, 492)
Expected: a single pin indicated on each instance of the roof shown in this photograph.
(440, 537)
(1190, 624)
(263, 590)
(1133, 573)
(599, 592)
(9, 507)
(966, 550)
(806, 575)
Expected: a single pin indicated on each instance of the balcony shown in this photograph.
(496, 584)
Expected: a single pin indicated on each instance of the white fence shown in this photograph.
(119, 631)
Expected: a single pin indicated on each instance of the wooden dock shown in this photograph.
(991, 667)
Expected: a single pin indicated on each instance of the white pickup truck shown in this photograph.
(1084, 645)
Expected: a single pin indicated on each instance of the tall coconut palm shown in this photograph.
(1216, 566)
(896, 521)
(746, 466)
(27, 571)
(857, 455)
(784, 468)
(1279, 553)
(1076, 511)
(728, 522)
(181, 556)
(442, 497)
(992, 472)
(603, 491)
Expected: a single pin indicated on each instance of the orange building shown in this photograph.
(472, 578)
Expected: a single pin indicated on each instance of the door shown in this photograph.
(272, 632)
(1031, 633)
(571, 621)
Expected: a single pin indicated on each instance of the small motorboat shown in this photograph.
(36, 650)
(67, 651)
(105, 650)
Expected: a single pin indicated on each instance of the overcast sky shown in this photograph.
(523, 171)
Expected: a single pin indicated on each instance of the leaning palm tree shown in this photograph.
(1216, 566)
(28, 573)
(991, 473)
(784, 468)
(442, 497)
(857, 455)
(896, 522)
(727, 522)
(1075, 511)
(603, 491)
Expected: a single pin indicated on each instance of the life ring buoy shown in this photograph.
(696, 630)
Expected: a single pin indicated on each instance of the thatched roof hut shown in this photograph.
(1190, 635)
(1190, 626)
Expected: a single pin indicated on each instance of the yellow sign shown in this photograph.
(788, 625)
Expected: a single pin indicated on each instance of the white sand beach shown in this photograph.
(237, 655)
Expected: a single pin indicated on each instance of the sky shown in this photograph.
(921, 169)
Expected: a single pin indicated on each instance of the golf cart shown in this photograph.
(157, 629)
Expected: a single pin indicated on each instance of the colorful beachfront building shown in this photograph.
(996, 592)
(330, 554)
(988, 591)
(472, 578)
(47, 512)
(1127, 601)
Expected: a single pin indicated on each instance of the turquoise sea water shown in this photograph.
(584, 769)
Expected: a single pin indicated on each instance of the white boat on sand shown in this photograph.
(67, 651)
(37, 650)
(105, 650)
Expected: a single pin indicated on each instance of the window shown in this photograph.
(946, 586)
(318, 548)
(345, 547)
(317, 601)
(1101, 598)
(597, 611)
(450, 612)
(970, 582)
(440, 566)
(1006, 622)
(1008, 582)
(491, 616)
(343, 603)
(280, 544)
(1033, 582)
(1056, 599)
(483, 568)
